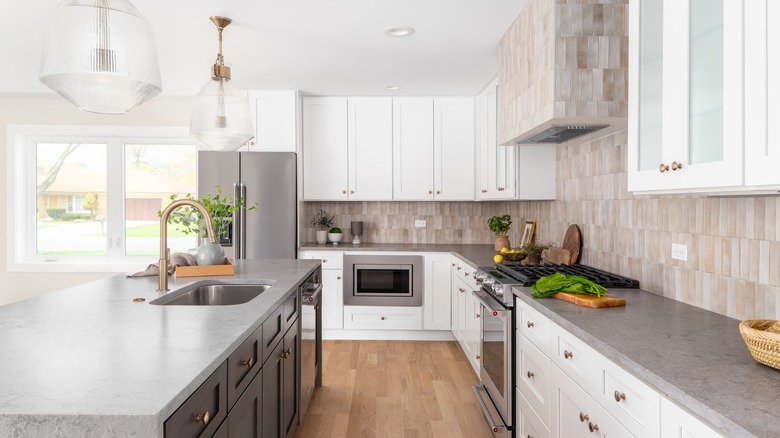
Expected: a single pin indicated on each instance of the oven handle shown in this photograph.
(494, 427)
(486, 304)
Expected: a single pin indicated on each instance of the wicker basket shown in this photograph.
(762, 337)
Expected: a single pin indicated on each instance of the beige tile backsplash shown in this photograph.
(733, 265)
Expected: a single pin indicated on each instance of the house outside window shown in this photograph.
(87, 198)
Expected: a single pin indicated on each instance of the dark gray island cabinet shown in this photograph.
(256, 391)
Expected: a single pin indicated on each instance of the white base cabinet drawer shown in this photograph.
(632, 402)
(534, 325)
(527, 423)
(382, 318)
(330, 259)
(533, 377)
(678, 423)
(575, 414)
(575, 358)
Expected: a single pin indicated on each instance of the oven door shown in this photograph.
(496, 360)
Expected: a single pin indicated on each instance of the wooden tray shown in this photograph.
(226, 268)
(590, 300)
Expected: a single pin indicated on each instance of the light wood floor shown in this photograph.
(409, 389)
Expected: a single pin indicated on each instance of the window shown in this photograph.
(86, 198)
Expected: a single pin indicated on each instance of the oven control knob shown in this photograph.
(498, 289)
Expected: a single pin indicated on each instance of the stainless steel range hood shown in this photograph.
(558, 134)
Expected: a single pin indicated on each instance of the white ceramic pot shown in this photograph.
(210, 254)
(335, 237)
(322, 237)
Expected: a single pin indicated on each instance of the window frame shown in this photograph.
(21, 182)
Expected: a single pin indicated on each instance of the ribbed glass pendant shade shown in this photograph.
(220, 116)
(100, 55)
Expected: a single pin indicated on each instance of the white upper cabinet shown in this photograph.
(276, 115)
(370, 148)
(762, 93)
(413, 148)
(685, 113)
(453, 148)
(433, 149)
(325, 148)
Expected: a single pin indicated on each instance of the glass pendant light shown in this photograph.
(220, 114)
(100, 55)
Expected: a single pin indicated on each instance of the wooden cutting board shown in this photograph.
(572, 241)
(590, 300)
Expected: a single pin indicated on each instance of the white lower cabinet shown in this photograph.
(678, 423)
(474, 346)
(533, 377)
(527, 423)
(465, 312)
(332, 299)
(382, 318)
(437, 290)
(576, 414)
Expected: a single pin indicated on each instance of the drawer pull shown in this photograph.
(458, 267)
(249, 362)
(382, 318)
(529, 324)
(286, 353)
(676, 165)
(477, 356)
(453, 264)
(530, 436)
(351, 192)
(530, 375)
(343, 192)
(663, 167)
(461, 290)
(593, 427)
(567, 354)
(619, 396)
(584, 417)
(324, 260)
(203, 418)
(338, 278)
(466, 274)
(477, 315)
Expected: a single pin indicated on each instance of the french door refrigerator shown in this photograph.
(266, 178)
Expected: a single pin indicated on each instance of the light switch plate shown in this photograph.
(420, 223)
(680, 252)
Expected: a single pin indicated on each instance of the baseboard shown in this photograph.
(388, 335)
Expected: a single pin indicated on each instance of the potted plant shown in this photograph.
(500, 226)
(534, 252)
(335, 235)
(323, 222)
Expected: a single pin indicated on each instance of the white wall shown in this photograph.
(53, 110)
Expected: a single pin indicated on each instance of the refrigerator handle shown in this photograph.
(242, 215)
(237, 237)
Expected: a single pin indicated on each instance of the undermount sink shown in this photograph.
(220, 294)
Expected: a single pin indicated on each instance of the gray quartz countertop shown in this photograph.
(475, 255)
(89, 361)
(695, 357)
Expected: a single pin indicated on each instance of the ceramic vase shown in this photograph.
(210, 254)
(335, 237)
(501, 242)
(322, 237)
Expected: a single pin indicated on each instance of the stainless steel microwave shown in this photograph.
(383, 280)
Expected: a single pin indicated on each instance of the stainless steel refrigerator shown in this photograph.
(266, 178)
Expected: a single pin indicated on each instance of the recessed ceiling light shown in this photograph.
(399, 31)
(393, 87)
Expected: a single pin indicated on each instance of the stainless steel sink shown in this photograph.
(212, 295)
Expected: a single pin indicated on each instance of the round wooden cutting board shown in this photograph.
(572, 241)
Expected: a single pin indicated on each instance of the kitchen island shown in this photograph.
(91, 361)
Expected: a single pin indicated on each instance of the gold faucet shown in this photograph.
(165, 252)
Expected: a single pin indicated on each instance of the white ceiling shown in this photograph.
(332, 47)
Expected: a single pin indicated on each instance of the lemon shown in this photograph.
(505, 250)
(498, 258)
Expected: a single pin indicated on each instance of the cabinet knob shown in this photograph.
(529, 324)
(593, 426)
(249, 362)
(663, 168)
(324, 260)
(676, 165)
(530, 375)
(477, 315)
(461, 290)
(484, 191)
(530, 436)
(286, 353)
(584, 417)
(477, 357)
(203, 418)
(567, 354)
(351, 192)
(466, 274)
(338, 278)
(438, 192)
(382, 318)
(430, 192)
(500, 189)
(453, 264)
(619, 396)
(458, 267)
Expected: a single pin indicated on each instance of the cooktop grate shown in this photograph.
(528, 274)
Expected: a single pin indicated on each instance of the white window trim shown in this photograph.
(20, 240)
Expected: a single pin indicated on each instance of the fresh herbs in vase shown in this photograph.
(499, 225)
(323, 222)
(534, 252)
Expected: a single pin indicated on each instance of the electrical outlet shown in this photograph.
(420, 223)
(680, 252)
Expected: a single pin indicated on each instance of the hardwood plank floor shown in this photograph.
(410, 389)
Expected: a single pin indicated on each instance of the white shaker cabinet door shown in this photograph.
(276, 115)
(370, 149)
(412, 149)
(325, 148)
(677, 423)
(437, 292)
(332, 299)
(453, 148)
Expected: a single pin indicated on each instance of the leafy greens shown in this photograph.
(558, 282)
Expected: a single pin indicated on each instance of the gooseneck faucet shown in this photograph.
(165, 253)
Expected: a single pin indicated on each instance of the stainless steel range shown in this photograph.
(495, 392)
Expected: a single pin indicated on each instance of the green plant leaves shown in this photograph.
(558, 282)
(221, 207)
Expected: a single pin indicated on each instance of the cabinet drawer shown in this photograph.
(635, 404)
(204, 411)
(273, 331)
(291, 310)
(246, 418)
(575, 358)
(534, 326)
(575, 413)
(243, 365)
(463, 270)
(382, 318)
(474, 312)
(330, 259)
(533, 377)
(528, 424)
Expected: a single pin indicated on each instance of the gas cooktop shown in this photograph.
(526, 275)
